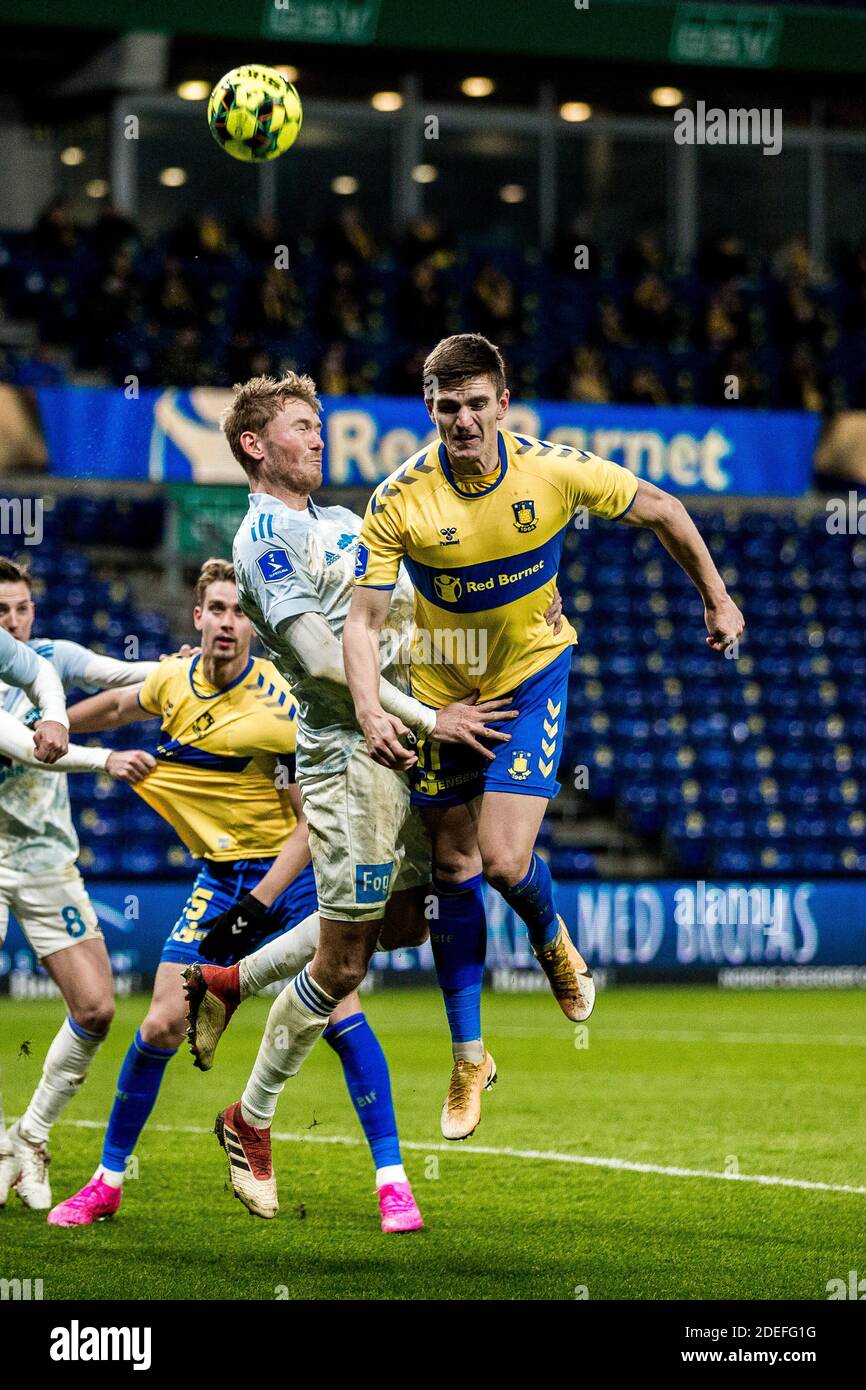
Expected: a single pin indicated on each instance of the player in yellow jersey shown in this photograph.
(478, 519)
(224, 780)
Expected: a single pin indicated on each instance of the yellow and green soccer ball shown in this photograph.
(254, 113)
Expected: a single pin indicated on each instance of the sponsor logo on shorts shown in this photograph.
(372, 882)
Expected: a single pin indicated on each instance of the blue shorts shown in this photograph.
(217, 886)
(448, 774)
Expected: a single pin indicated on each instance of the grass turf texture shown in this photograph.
(498, 1227)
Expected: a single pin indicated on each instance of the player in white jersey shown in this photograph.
(294, 563)
(40, 883)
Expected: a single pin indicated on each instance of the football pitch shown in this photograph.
(698, 1147)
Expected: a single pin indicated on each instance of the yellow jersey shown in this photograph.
(483, 554)
(219, 779)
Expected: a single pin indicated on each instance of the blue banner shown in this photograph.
(667, 927)
(174, 436)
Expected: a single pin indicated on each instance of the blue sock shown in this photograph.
(459, 942)
(532, 900)
(369, 1083)
(137, 1088)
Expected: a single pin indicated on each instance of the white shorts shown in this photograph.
(51, 907)
(366, 841)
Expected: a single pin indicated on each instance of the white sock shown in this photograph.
(280, 959)
(392, 1172)
(469, 1051)
(297, 1020)
(108, 1176)
(66, 1065)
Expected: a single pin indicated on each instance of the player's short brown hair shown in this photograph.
(460, 358)
(213, 571)
(11, 572)
(257, 402)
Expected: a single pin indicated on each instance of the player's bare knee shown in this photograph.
(95, 1015)
(504, 868)
(163, 1030)
(344, 978)
(454, 866)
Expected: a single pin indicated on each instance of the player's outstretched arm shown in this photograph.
(18, 743)
(668, 518)
(20, 665)
(108, 710)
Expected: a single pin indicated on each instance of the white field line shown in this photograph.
(535, 1155)
(602, 1034)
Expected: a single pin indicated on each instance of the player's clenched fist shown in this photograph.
(131, 766)
(725, 623)
(50, 741)
(465, 721)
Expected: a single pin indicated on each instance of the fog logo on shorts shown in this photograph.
(372, 882)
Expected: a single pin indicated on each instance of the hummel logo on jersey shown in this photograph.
(449, 533)
(275, 565)
(239, 926)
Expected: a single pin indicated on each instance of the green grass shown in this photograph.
(498, 1226)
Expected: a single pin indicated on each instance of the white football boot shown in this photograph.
(8, 1167)
(32, 1183)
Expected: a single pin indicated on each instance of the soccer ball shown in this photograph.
(254, 113)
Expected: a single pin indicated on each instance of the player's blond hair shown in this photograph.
(213, 571)
(259, 401)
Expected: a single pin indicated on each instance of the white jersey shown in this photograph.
(291, 562)
(36, 830)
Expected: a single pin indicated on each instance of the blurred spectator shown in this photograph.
(644, 388)
(585, 378)
(54, 233)
(347, 239)
(641, 257)
(111, 233)
(421, 307)
(203, 236)
(723, 259)
(804, 384)
(494, 307)
(171, 299)
(650, 316)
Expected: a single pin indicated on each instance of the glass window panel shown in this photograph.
(845, 184)
(332, 146)
(473, 168)
(610, 187)
(763, 198)
(179, 138)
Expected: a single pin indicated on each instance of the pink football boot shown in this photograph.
(399, 1210)
(93, 1203)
